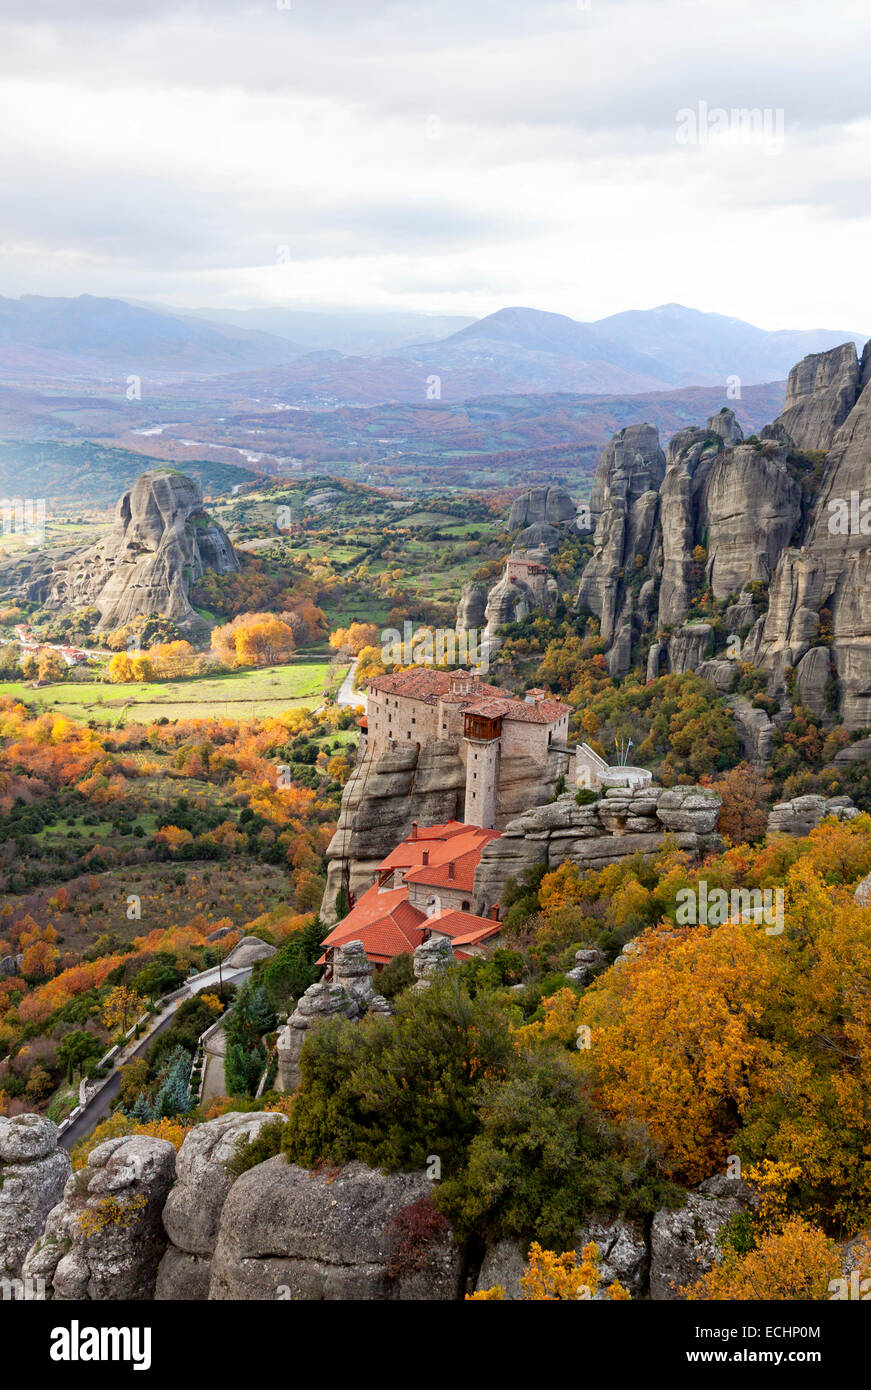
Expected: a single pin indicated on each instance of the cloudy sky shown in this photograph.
(583, 156)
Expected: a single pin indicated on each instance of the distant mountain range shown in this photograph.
(640, 350)
(363, 358)
(89, 338)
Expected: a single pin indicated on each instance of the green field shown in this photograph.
(242, 695)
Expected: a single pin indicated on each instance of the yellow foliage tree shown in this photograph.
(797, 1262)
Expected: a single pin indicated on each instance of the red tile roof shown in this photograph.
(542, 712)
(439, 875)
(385, 922)
(431, 686)
(429, 838)
(384, 919)
(464, 928)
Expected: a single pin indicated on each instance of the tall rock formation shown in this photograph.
(821, 591)
(820, 393)
(424, 784)
(544, 515)
(728, 514)
(625, 507)
(548, 505)
(162, 541)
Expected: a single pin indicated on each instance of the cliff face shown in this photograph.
(161, 542)
(427, 785)
(625, 507)
(820, 394)
(729, 513)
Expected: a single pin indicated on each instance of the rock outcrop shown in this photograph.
(287, 1233)
(804, 813)
(430, 959)
(514, 597)
(622, 822)
(683, 1242)
(472, 607)
(161, 542)
(549, 505)
(820, 393)
(248, 951)
(192, 1214)
(755, 730)
(623, 1257)
(105, 1238)
(349, 994)
(379, 803)
(625, 507)
(729, 514)
(33, 1174)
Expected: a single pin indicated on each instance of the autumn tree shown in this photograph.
(354, 638)
(744, 813)
(51, 665)
(253, 639)
(122, 1006)
(797, 1262)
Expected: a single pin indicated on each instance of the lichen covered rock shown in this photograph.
(105, 1238)
(33, 1173)
(287, 1233)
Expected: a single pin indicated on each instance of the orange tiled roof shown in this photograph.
(386, 923)
(438, 875)
(464, 928)
(429, 838)
(542, 712)
(431, 686)
(384, 919)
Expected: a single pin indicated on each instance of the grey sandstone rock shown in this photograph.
(755, 730)
(161, 542)
(820, 393)
(803, 814)
(348, 995)
(290, 1233)
(600, 834)
(105, 1238)
(430, 959)
(683, 1243)
(550, 504)
(588, 959)
(623, 1257)
(33, 1173)
(249, 950)
(192, 1213)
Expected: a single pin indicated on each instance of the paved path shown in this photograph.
(348, 697)
(98, 1108)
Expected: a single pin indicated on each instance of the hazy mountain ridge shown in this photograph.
(516, 349)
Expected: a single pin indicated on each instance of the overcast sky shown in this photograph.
(449, 155)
